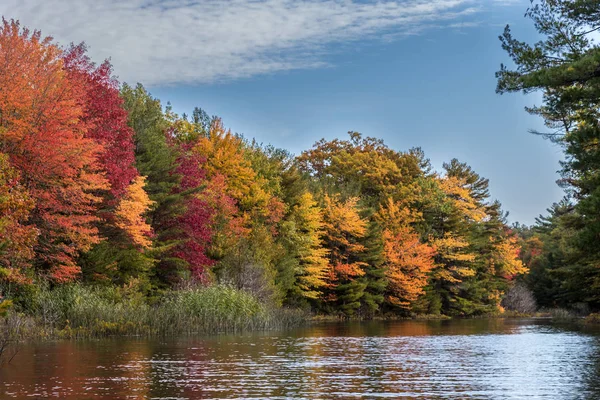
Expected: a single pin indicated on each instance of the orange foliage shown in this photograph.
(41, 131)
(407, 260)
(408, 263)
(224, 154)
(16, 238)
(229, 224)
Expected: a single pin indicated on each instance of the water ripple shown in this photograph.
(459, 359)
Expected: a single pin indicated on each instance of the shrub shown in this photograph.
(519, 298)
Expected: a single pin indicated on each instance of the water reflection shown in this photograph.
(426, 359)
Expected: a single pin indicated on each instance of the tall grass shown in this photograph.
(218, 309)
(14, 328)
(83, 311)
(561, 314)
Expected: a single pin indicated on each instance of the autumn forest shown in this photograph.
(107, 193)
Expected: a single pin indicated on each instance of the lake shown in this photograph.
(476, 359)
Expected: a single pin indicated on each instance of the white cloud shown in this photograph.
(197, 41)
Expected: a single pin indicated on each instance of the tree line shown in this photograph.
(102, 184)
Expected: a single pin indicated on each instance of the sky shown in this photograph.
(415, 73)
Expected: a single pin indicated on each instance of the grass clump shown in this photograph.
(559, 314)
(218, 309)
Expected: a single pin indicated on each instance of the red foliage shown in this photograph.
(196, 223)
(105, 116)
(196, 228)
(190, 169)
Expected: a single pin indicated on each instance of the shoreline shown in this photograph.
(29, 331)
(32, 330)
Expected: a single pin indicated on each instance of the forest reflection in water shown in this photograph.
(487, 358)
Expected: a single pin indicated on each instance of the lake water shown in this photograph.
(478, 359)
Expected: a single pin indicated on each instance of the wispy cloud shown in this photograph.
(163, 42)
(469, 24)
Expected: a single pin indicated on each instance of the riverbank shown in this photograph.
(78, 311)
(554, 314)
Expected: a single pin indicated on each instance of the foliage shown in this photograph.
(344, 229)
(306, 220)
(104, 116)
(16, 238)
(130, 212)
(409, 262)
(42, 131)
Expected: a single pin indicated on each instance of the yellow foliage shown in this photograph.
(452, 248)
(344, 227)
(395, 216)
(225, 155)
(505, 257)
(344, 218)
(130, 213)
(455, 261)
(313, 256)
(455, 188)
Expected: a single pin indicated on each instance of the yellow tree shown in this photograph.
(460, 197)
(225, 155)
(130, 213)
(363, 161)
(312, 255)
(447, 213)
(472, 247)
(124, 258)
(454, 255)
(454, 259)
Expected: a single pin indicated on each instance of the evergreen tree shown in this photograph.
(374, 279)
(565, 66)
(157, 160)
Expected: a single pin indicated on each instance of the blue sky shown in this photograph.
(413, 72)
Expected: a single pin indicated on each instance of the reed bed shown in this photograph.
(78, 311)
